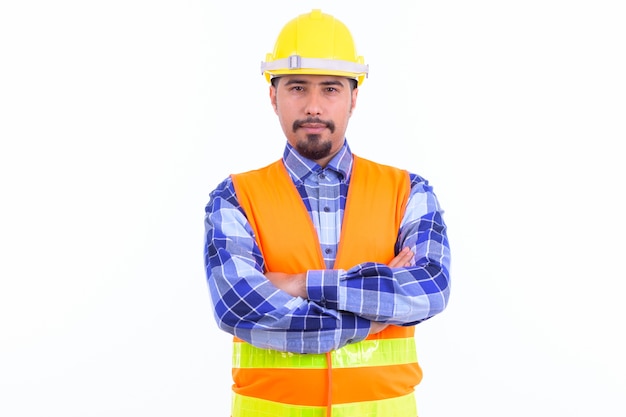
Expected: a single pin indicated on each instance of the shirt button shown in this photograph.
(328, 251)
(326, 209)
(321, 176)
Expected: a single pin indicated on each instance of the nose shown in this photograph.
(313, 105)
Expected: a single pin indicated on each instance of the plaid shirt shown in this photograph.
(341, 303)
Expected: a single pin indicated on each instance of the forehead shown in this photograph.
(313, 79)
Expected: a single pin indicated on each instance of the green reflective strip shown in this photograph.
(394, 407)
(376, 353)
(247, 356)
(243, 406)
(366, 353)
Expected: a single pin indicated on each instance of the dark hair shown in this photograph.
(353, 83)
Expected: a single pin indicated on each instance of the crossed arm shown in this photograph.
(295, 284)
(322, 310)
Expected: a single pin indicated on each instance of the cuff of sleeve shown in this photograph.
(322, 285)
(356, 333)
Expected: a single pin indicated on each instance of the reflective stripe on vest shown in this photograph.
(394, 352)
(393, 407)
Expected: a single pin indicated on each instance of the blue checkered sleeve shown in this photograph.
(249, 306)
(401, 296)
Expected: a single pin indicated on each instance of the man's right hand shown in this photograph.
(402, 259)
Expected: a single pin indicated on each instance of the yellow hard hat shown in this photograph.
(315, 43)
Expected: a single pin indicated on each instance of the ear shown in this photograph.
(273, 98)
(355, 94)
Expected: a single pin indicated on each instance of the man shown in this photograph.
(321, 263)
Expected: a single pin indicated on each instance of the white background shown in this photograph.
(117, 118)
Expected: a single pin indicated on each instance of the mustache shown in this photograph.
(328, 123)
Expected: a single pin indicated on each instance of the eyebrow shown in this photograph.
(324, 83)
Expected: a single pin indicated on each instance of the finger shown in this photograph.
(405, 257)
(401, 258)
(397, 261)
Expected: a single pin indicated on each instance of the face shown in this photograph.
(313, 111)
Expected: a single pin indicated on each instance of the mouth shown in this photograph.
(313, 126)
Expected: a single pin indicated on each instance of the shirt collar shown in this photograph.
(300, 168)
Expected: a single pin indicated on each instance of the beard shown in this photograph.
(313, 148)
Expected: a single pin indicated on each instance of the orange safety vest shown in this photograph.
(374, 377)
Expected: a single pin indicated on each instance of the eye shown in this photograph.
(297, 88)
